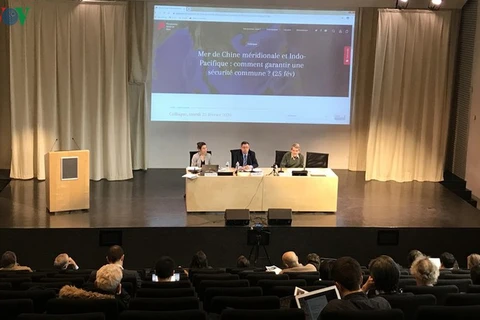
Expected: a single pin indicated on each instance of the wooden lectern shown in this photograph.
(67, 180)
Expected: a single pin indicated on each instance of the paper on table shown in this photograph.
(275, 269)
(190, 176)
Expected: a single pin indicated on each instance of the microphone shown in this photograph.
(51, 149)
(76, 143)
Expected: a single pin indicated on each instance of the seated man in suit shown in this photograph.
(245, 157)
(115, 255)
(293, 158)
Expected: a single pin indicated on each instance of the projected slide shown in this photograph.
(245, 65)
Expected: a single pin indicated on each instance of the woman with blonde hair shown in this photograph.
(473, 260)
(424, 272)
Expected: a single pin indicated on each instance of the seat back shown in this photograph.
(39, 297)
(309, 277)
(166, 285)
(165, 304)
(163, 315)
(462, 284)
(198, 278)
(211, 293)
(461, 299)
(325, 283)
(76, 281)
(455, 276)
(220, 284)
(278, 156)
(165, 293)
(219, 304)
(316, 160)
(16, 282)
(10, 309)
(393, 314)
(284, 314)
(404, 282)
(439, 292)
(268, 285)
(231, 156)
(80, 316)
(253, 278)
(448, 313)
(108, 307)
(409, 303)
(473, 288)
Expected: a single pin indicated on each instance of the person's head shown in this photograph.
(202, 147)
(475, 274)
(347, 274)
(164, 268)
(199, 261)
(325, 269)
(424, 272)
(385, 273)
(473, 260)
(116, 255)
(314, 260)
(290, 259)
(245, 146)
(61, 261)
(243, 262)
(447, 260)
(109, 278)
(9, 258)
(412, 256)
(295, 149)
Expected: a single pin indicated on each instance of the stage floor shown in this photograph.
(154, 198)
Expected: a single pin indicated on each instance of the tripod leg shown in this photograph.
(257, 253)
(266, 254)
(251, 252)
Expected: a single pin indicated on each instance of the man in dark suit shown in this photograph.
(245, 157)
(115, 255)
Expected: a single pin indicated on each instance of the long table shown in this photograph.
(317, 192)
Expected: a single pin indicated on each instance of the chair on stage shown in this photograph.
(278, 157)
(192, 153)
(316, 160)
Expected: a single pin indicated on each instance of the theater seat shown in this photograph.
(165, 293)
(253, 278)
(409, 303)
(163, 315)
(393, 314)
(205, 284)
(108, 307)
(165, 304)
(461, 299)
(166, 285)
(439, 292)
(39, 297)
(10, 309)
(448, 313)
(79, 316)
(268, 285)
(211, 293)
(284, 314)
(219, 304)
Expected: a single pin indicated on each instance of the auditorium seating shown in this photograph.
(10, 309)
(268, 285)
(165, 304)
(461, 284)
(211, 293)
(165, 315)
(448, 313)
(165, 293)
(80, 316)
(460, 299)
(219, 304)
(65, 306)
(410, 303)
(285, 314)
(440, 292)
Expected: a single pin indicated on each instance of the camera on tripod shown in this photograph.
(258, 236)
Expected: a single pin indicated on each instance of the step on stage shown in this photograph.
(155, 198)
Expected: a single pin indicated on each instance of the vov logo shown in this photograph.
(10, 16)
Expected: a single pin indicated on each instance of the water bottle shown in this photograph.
(227, 165)
(237, 165)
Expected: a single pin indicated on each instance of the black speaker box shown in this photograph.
(237, 217)
(280, 217)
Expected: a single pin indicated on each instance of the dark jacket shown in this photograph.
(356, 301)
(237, 156)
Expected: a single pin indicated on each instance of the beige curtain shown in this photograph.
(139, 65)
(363, 63)
(411, 96)
(5, 129)
(69, 80)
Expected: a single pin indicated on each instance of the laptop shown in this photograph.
(209, 168)
(314, 302)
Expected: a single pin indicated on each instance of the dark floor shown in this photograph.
(155, 199)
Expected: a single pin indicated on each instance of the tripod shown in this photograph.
(256, 251)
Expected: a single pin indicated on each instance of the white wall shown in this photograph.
(169, 143)
(473, 152)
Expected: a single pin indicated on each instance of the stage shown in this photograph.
(155, 198)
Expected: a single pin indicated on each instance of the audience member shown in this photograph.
(326, 269)
(116, 256)
(475, 274)
(424, 272)
(314, 259)
(243, 262)
(412, 256)
(448, 261)
(199, 261)
(290, 260)
(164, 269)
(473, 260)
(347, 274)
(107, 286)
(9, 263)
(64, 262)
(384, 276)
